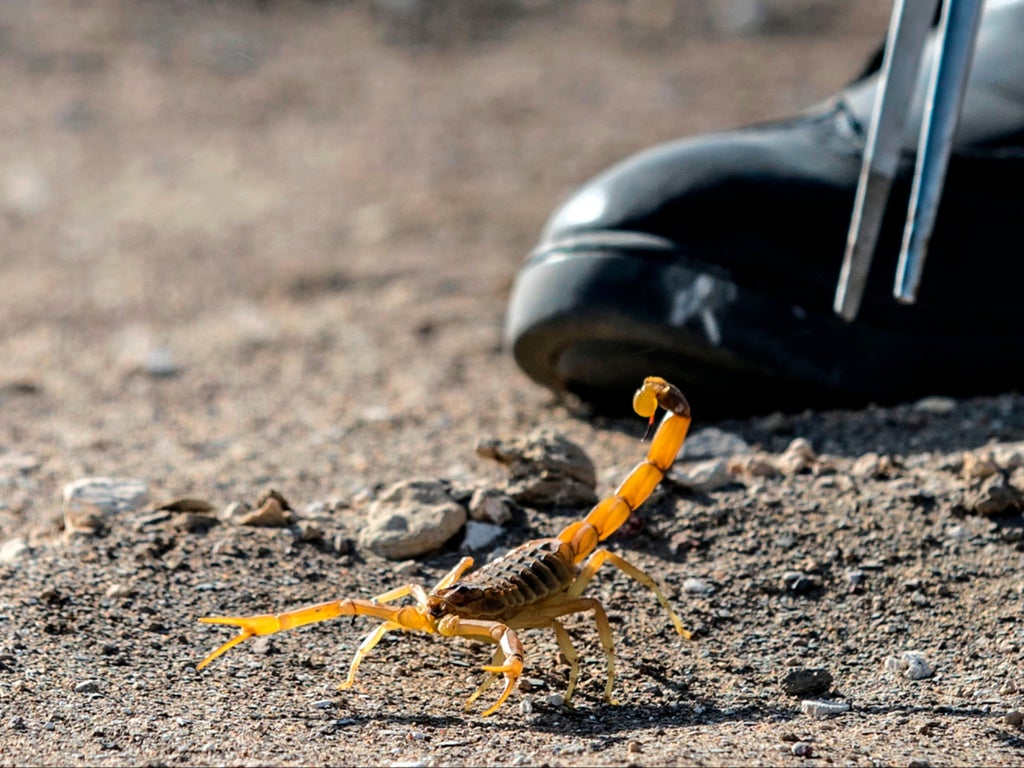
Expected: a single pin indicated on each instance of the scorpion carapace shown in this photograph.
(532, 586)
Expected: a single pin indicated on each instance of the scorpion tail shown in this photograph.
(610, 513)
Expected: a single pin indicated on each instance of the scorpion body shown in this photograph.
(532, 586)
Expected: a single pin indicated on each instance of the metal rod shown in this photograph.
(957, 34)
(908, 28)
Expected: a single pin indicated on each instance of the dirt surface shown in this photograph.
(251, 246)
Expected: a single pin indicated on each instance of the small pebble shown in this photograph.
(754, 465)
(870, 465)
(697, 586)
(633, 748)
(911, 664)
(935, 405)
(798, 456)
(271, 514)
(489, 505)
(526, 705)
(160, 363)
(802, 749)
(799, 583)
(978, 465)
(555, 700)
(87, 686)
(323, 704)
(12, 549)
(1014, 718)
(309, 531)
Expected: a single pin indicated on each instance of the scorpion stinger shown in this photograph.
(531, 587)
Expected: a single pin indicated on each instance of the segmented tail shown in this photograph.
(610, 513)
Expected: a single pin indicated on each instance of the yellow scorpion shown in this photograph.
(532, 586)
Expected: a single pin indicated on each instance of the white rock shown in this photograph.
(798, 456)
(555, 700)
(701, 476)
(912, 664)
(697, 586)
(939, 406)
(89, 500)
(818, 708)
(12, 549)
(111, 495)
(870, 465)
(1008, 455)
(160, 362)
(489, 505)
(480, 535)
(411, 518)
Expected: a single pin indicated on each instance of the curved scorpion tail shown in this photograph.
(610, 513)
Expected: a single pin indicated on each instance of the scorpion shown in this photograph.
(532, 586)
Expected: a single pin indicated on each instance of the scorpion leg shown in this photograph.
(494, 631)
(565, 643)
(370, 641)
(496, 660)
(595, 561)
(364, 649)
(604, 633)
(446, 581)
(454, 574)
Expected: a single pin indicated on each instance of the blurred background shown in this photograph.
(234, 232)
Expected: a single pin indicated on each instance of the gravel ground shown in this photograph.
(268, 246)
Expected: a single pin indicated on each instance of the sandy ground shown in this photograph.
(247, 246)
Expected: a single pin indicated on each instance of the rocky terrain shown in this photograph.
(256, 257)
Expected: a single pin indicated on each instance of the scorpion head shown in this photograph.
(465, 600)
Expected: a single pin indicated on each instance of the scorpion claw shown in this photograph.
(511, 670)
(264, 624)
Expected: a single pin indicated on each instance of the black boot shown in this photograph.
(713, 262)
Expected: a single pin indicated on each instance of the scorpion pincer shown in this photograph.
(534, 585)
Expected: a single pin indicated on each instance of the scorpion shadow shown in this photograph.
(608, 723)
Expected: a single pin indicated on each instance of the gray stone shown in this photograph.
(411, 518)
(701, 476)
(802, 681)
(89, 500)
(993, 496)
(712, 443)
(545, 469)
